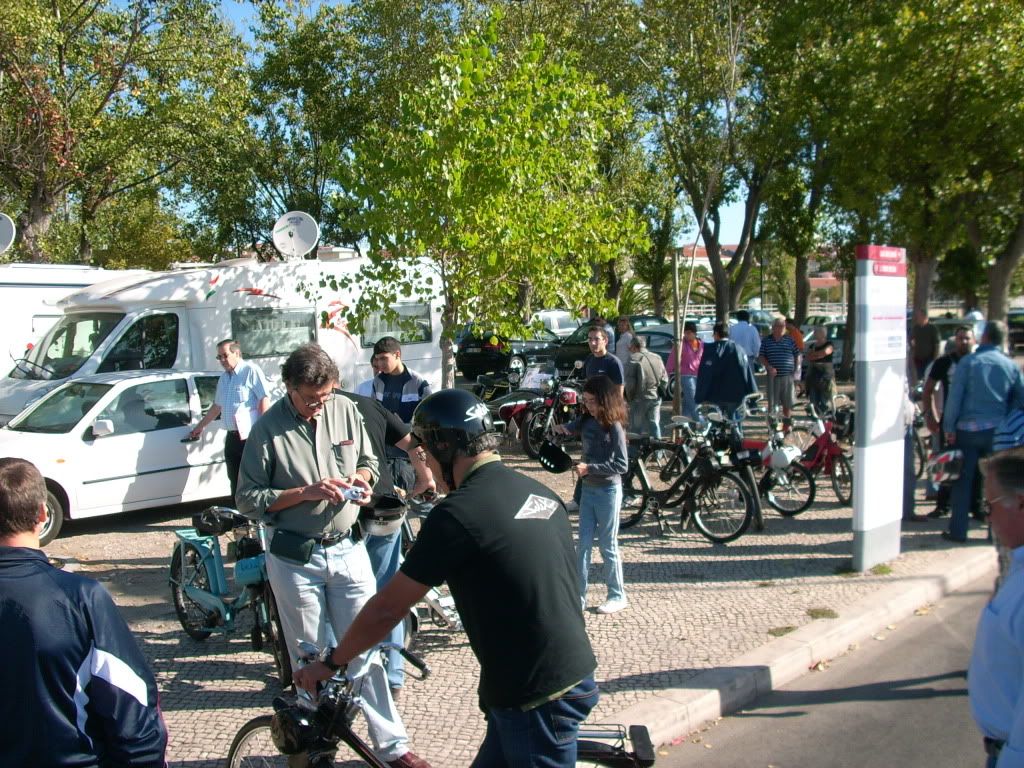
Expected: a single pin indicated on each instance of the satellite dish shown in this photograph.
(296, 234)
(7, 232)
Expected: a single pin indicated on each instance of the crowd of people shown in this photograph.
(325, 469)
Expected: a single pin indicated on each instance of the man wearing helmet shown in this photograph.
(497, 532)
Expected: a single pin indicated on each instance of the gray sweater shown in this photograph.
(604, 452)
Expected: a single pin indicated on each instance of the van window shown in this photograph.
(151, 342)
(149, 407)
(412, 326)
(268, 332)
(207, 386)
(67, 346)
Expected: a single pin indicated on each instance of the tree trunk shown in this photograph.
(924, 271)
(846, 365)
(803, 289)
(1000, 272)
(449, 327)
(34, 222)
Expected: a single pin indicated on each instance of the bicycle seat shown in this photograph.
(216, 521)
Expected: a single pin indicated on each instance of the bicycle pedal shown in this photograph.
(643, 747)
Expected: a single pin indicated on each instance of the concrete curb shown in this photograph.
(676, 712)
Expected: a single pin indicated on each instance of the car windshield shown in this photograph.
(579, 336)
(66, 346)
(61, 410)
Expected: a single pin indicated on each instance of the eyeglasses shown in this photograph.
(986, 505)
(318, 403)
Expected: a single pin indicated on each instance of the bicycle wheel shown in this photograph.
(630, 516)
(189, 570)
(275, 633)
(799, 436)
(722, 509)
(842, 479)
(792, 490)
(254, 748)
(534, 432)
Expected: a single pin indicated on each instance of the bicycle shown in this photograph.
(307, 731)
(710, 496)
(826, 454)
(199, 585)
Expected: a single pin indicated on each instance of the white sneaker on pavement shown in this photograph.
(613, 606)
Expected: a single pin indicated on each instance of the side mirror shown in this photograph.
(102, 428)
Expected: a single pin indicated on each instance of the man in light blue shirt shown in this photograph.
(241, 398)
(986, 386)
(995, 678)
(746, 337)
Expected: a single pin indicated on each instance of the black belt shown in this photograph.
(993, 746)
(330, 539)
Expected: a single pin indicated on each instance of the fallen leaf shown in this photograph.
(879, 637)
(891, 627)
(924, 610)
(707, 746)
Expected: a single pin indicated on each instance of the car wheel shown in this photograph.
(56, 512)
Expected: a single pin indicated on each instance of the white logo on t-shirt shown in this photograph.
(537, 508)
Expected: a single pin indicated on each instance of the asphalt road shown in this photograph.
(899, 700)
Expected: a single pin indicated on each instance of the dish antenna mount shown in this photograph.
(7, 232)
(296, 234)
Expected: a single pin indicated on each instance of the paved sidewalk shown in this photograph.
(707, 628)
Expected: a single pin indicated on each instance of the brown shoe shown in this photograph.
(409, 760)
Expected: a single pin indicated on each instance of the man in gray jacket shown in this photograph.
(302, 460)
(645, 372)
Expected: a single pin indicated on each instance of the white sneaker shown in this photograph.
(572, 506)
(613, 606)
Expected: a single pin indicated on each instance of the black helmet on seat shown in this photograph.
(450, 421)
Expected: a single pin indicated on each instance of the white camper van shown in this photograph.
(29, 294)
(173, 320)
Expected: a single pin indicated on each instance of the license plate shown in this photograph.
(472, 351)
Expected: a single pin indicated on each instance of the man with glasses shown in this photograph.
(599, 362)
(307, 452)
(995, 678)
(242, 398)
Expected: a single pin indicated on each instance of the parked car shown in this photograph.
(644, 321)
(759, 318)
(813, 321)
(659, 340)
(558, 321)
(113, 442)
(490, 353)
(1015, 321)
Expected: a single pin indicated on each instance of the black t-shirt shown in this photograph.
(942, 372)
(384, 428)
(503, 543)
(607, 364)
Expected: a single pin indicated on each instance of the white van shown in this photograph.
(173, 320)
(29, 294)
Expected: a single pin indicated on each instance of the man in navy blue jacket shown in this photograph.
(77, 690)
(724, 377)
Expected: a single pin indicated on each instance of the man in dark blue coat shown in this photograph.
(724, 377)
(77, 690)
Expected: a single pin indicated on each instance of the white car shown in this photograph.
(115, 442)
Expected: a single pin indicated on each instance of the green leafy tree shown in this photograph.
(101, 99)
(491, 180)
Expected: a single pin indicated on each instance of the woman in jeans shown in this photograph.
(602, 430)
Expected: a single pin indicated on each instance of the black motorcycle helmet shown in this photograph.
(450, 421)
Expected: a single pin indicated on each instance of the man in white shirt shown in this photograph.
(242, 398)
(746, 337)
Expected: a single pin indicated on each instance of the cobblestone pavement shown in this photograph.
(693, 606)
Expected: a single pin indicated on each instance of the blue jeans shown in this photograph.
(317, 602)
(688, 387)
(975, 446)
(599, 513)
(543, 737)
(385, 556)
(645, 417)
